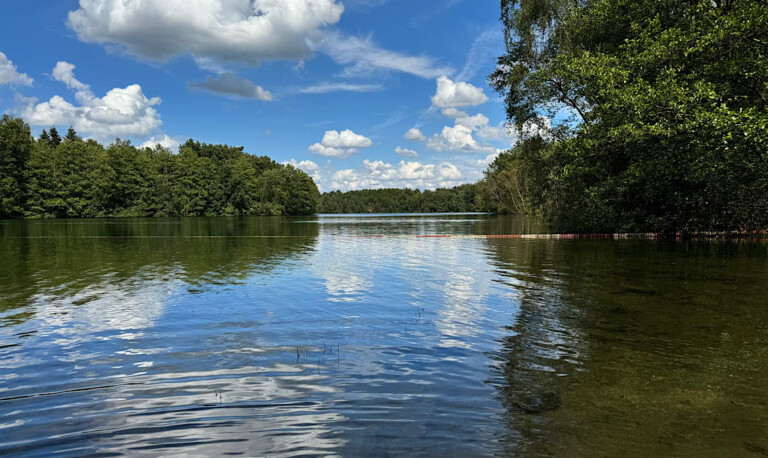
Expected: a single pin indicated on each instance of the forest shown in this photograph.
(658, 111)
(459, 199)
(69, 177)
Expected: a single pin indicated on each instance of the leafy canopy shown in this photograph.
(659, 111)
(73, 178)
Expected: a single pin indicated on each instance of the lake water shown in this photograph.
(286, 337)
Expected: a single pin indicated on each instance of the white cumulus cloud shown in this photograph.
(345, 139)
(121, 112)
(463, 119)
(375, 174)
(340, 144)
(407, 174)
(331, 152)
(457, 139)
(306, 165)
(162, 140)
(219, 32)
(238, 31)
(9, 74)
(400, 151)
(480, 124)
(452, 94)
(461, 137)
(64, 72)
(415, 135)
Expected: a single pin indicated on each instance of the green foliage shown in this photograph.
(459, 199)
(668, 104)
(299, 195)
(61, 180)
(55, 139)
(514, 182)
(72, 135)
(15, 148)
(72, 178)
(122, 181)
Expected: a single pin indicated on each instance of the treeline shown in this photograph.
(74, 178)
(669, 114)
(459, 199)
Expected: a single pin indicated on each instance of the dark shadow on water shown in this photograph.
(635, 348)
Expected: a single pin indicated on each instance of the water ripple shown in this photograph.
(191, 337)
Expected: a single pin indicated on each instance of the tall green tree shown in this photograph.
(122, 184)
(76, 178)
(195, 182)
(72, 135)
(303, 195)
(663, 109)
(15, 148)
(244, 187)
(55, 138)
(44, 181)
(163, 169)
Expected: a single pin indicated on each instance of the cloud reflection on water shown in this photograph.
(326, 343)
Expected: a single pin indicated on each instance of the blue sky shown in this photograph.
(358, 93)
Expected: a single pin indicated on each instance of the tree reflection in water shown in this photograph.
(634, 348)
(199, 335)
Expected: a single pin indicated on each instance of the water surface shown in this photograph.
(310, 336)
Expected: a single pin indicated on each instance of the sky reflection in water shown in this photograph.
(194, 337)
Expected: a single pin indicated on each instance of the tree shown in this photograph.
(163, 166)
(122, 185)
(72, 135)
(75, 177)
(44, 179)
(55, 138)
(194, 182)
(244, 192)
(303, 195)
(15, 147)
(668, 105)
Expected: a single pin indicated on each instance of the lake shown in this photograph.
(347, 335)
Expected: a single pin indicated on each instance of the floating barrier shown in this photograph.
(740, 235)
(758, 235)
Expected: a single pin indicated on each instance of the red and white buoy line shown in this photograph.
(756, 235)
(734, 236)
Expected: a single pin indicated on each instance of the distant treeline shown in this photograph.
(74, 178)
(459, 199)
